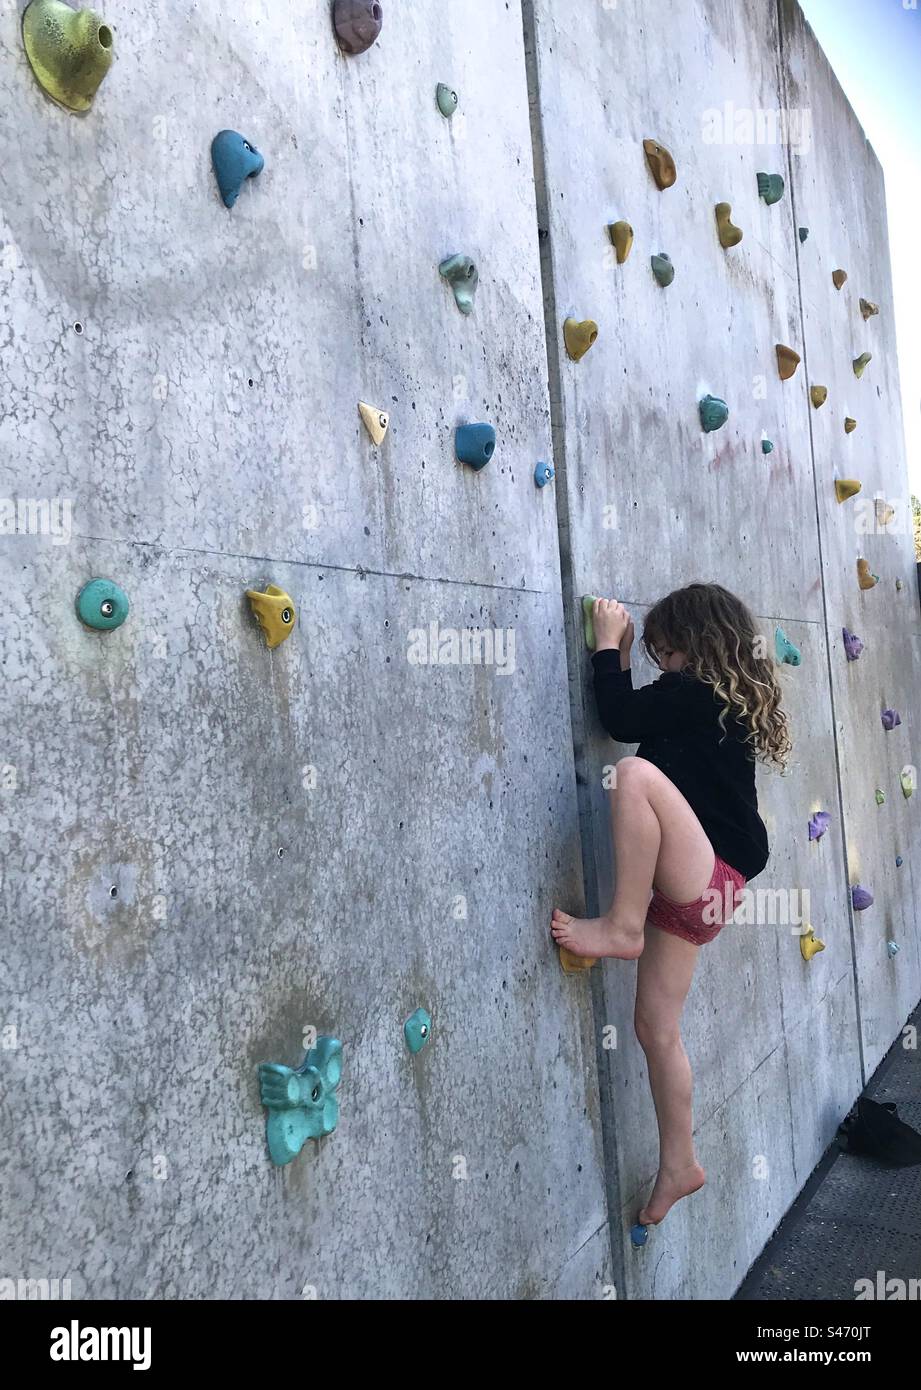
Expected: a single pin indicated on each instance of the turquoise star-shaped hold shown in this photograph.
(301, 1101)
(787, 653)
(417, 1030)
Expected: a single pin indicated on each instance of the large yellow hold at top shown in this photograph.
(70, 51)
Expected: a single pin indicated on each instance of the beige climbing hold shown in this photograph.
(661, 164)
(376, 421)
(849, 425)
(729, 234)
(868, 308)
(621, 234)
(810, 945)
(860, 363)
(787, 361)
(865, 576)
(575, 965)
(839, 277)
(846, 487)
(819, 395)
(884, 511)
(579, 336)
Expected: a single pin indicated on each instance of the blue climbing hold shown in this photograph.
(787, 653)
(543, 474)
(301, 1101)
(639, 1235)
(474, 444)
(767, 446)
(713, 413)
(803, 233)
(898, 861)
(234, 160)
(102, 605)
(417, 1030)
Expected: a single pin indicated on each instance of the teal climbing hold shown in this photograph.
(663, 269)
(446, 99)
(301, 1101)
(787, 653)
(770, 188)
(475, 444)
(639, 1235)
(463, 277)
(713, 413)
(893, 948)
(803, 233)
(102, 605)
(417, 1030)
(767, 446)
(543, 474)
(234, 160)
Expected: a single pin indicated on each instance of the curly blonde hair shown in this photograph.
(718, 633)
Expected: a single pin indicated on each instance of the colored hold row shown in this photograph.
(810, 945)
(788, 361)
(302, 1101)
(103, 606)
(70, 51)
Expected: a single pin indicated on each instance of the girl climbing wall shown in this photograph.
(685, 822)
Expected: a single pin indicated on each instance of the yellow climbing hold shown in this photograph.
(810, 945)
(846, 487)
(274, 613)
(70, 51)
(849, 425)
(729, 234)
(661, 164)
(579, 336)
(868, 308)
(865, 576)
(575, 965)
(860, 363)
(839, 277)
(819, 395)
(787, 361)
(375, 421)
(621, 234)
(884, 511)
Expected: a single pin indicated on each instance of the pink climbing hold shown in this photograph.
(861, 898)
(890, 718)
(852, 644)
(818, 824)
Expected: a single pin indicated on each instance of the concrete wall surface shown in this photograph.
(211, 848)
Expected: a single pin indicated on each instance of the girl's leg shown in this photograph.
(657, 839)
(663, 978)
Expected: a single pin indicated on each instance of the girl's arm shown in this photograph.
(672, 704)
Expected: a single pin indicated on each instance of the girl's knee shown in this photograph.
(631, 772)
(654, 1035)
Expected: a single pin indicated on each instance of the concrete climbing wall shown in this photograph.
(210, 847)
(779, 1047)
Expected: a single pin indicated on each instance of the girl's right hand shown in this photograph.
(612, 625)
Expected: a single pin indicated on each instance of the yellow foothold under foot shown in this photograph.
(846, 487)
(621, 234)
(849, 425)
(839, 277)
(274, 613)
(376, 421)
(810, 945)
(819, 395)
(787, 361)
(575, 965)
(868, 308)
(865, 576)
(579, 336)
(661, 164)
(729, 235)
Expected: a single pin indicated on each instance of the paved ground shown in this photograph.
(854, 1218)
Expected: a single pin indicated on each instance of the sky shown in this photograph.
(874, 47)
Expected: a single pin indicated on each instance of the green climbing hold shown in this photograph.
(302, 1102)
(463, 277)
(70, 51)
(446, 99)
(417, 1030)
(767, 446)
(588, 620)
(713, 413)
(102, 605)
(770, 188)
(860, 363)
(788, 654)
(907, 780)
(880, 796)
(663, 269)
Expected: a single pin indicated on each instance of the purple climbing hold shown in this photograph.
(818, 824)
(852, 644)
(890, 718)
(861, 898)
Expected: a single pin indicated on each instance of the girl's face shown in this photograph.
(670, 660)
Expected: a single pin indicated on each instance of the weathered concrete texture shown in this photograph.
(181, 900)
(779, 1048)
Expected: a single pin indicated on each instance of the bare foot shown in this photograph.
(597, 936)
(671, 1186)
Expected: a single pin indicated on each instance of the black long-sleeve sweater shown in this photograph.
(675, 720)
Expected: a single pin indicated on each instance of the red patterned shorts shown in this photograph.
(700, 921)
